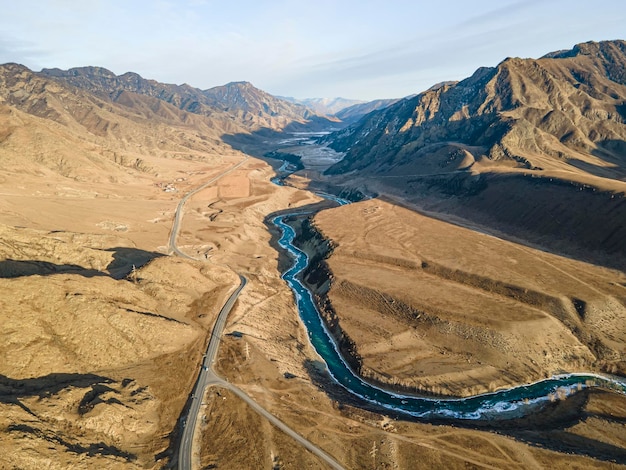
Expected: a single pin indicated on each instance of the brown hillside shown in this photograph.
(444, 309)
(246, 108)
(103, 332)
(559, 120)
(79, 135)
(564, 108)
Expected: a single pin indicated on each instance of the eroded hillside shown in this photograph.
(103, 332)
(443, 309)
(236, 106)
(533, 114)
(533, 149)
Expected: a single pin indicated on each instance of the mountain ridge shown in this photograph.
(252, 107)
(356, 112)
(327, 106)
(54, 127)
(559, 120)
(497, 106)
(104, 332)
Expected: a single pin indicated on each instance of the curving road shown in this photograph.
(207, 376)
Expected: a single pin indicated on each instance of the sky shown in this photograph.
(305, 49)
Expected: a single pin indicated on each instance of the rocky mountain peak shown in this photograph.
(251, 107)
(519, 110)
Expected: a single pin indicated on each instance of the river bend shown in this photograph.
(507, 403)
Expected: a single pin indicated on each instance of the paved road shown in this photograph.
(206, 376)
(172, 248)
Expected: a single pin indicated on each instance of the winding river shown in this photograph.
(502, 404)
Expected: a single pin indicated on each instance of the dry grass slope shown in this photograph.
(442, 309)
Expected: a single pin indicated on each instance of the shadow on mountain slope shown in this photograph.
(576, 219)
(124, 261)
(10, 268)
(613, 152)
(12, 390)
(561, 426)
(92, 449)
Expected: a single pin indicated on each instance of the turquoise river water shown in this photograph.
(502, 404)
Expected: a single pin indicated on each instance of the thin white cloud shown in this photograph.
(358, 49)
(17, 50)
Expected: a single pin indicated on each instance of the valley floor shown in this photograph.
(103, 333)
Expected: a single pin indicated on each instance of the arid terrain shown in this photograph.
(104, 326)
(103, 330)
(533, 148)
(448, 310)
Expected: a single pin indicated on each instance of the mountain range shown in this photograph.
(240, 101)
(559, 119)
(128, 114)
(326, 106)
(533, 147)
(103, 333)
(527, 113)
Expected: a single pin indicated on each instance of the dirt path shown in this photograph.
(172, 248)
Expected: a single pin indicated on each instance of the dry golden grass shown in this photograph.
(445, 309)
(99, 358)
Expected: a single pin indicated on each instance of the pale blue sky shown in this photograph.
(322, 48)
